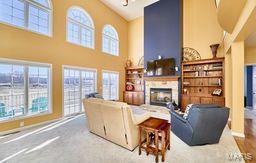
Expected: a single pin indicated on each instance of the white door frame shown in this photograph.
(253, 87)
(63, 80)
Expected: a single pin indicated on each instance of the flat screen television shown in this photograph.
(161, 67)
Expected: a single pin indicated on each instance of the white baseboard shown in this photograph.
(27, 127)
(238, 134)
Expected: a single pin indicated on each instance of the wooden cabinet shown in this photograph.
(128, 97)
(194, 100)
(219, 101)
(187, 99)
(134, 98)
(206, 100)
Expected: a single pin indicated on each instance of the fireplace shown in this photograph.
(160, 96)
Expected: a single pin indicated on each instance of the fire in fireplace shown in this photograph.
(160, 96)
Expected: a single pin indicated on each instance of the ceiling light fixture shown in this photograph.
(126, 2)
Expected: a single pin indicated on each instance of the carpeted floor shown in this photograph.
(69, 141)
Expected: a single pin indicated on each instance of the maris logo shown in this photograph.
(240, 156)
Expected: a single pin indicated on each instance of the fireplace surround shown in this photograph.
(160, 96)
(167, 83)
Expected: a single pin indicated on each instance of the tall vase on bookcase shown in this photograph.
(214, 48)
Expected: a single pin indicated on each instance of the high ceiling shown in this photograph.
(130, 12)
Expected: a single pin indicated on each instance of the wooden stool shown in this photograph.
(165, 139)
(156, 130)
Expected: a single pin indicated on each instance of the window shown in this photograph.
(110, 42)
(77, 84)
(34, 15)
(38, 86)
(110, 85)
(80, 28)
(24, 89)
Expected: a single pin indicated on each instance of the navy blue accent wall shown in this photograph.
(163, 30)
(249, 88)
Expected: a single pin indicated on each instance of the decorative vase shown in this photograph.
(128, 63)
(214, 48)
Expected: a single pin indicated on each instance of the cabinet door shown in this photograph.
(128, 97)
(184, 102)
(138, 98)
(141, 98)
(219, 101)
(194, 100)
(206, 100)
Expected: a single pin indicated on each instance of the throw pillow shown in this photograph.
(185, 116)
(170, 106)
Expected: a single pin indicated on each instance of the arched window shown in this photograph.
(33, 15)
(80, 27)
(110, 41)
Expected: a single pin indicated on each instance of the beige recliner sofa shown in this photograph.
(113, 121)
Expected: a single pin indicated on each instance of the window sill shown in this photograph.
(114, 55)
(25, 117)
(77, 44)
(26, 29)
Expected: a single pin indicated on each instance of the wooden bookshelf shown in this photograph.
(200, 79)
(134, 79)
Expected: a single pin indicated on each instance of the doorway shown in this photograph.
(77, 83)
(254, 87)
(250, 87)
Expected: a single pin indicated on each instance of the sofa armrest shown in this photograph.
(137, 119)
(178, 116)
(181, 127)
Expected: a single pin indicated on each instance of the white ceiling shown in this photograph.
(132, 11)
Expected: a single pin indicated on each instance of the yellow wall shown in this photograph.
(237, 66)
(23, 45)
(200, 26)
(250, 55)
(136, 40)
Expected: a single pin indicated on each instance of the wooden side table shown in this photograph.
(156, 130)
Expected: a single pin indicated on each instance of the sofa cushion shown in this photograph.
(185, 116)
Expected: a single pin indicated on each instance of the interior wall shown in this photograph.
(136, 40)
(201, 27)
(24, 45)
(250, 56)
(199, 30)
(163, 31)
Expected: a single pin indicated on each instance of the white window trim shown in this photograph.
(115, 72)
(111, 38)
(80, 69)
(30, 63)
(26, 19)
(80, 25)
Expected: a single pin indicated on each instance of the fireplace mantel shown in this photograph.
(161, 78)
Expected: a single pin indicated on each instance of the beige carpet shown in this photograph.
(71, 142)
